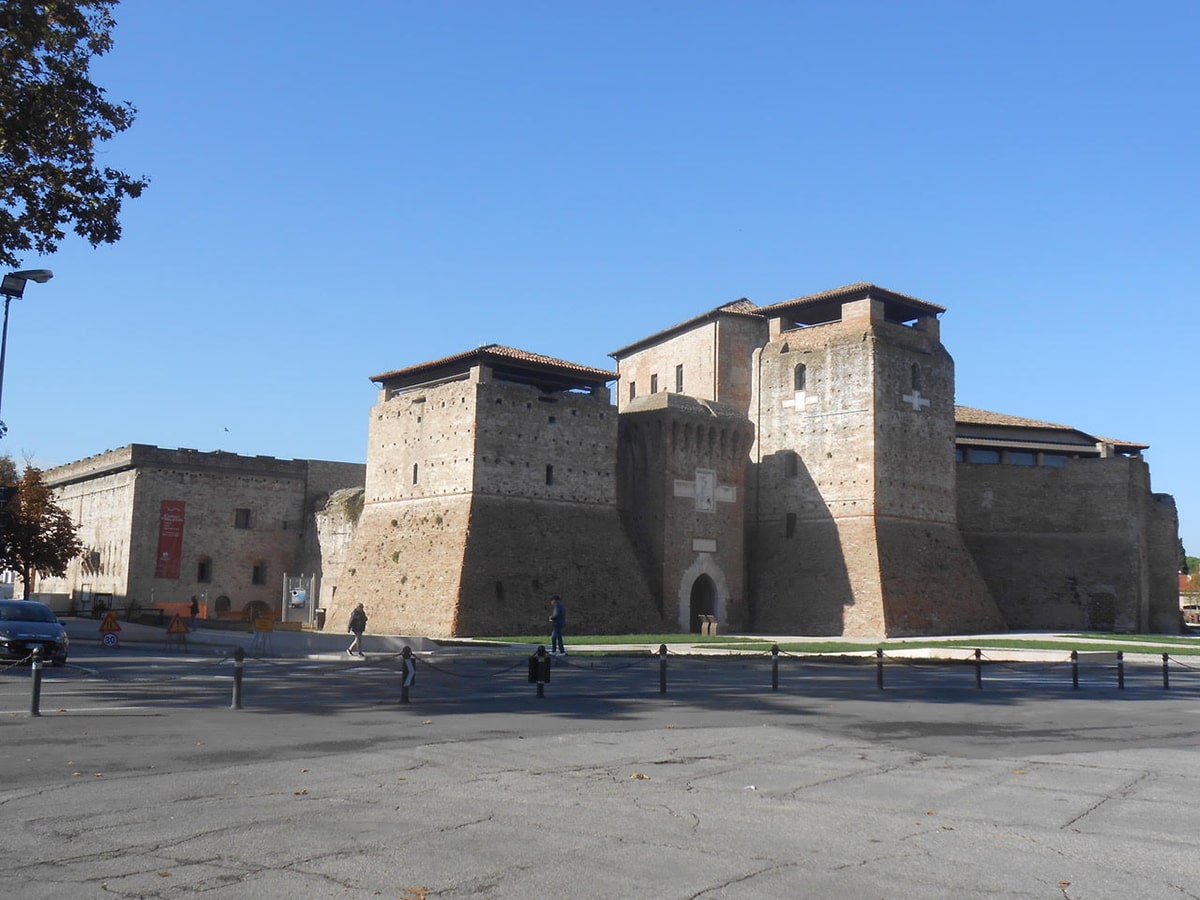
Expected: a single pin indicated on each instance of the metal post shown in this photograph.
(1075, 670)
(539, 669)
(775, 667)
(4, 340)
(409, 675)
(879, 668)
(1166, 674)
(662, 668)
(35, 701)
(1121, 670)
(978, 669)
(239, 661)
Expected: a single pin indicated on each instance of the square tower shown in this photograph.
(490, 486)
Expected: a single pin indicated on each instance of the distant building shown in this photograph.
(161, 526)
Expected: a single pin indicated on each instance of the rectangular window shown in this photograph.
(679, 379)
(241, 518)
(549, 474)
(259, 575)
(1021, 458)
(982, 455)
(790, 524)
(204, 570)
(1054, 460)
(632, 389)
(654, 384)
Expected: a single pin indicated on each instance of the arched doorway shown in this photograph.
(703, 602)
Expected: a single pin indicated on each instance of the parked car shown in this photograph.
(25, 624)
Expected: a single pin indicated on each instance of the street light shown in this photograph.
(14, 286)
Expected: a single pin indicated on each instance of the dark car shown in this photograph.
(25, 624)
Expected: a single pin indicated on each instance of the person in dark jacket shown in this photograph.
(358, 624)
(558, 621)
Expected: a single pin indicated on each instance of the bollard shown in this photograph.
(1166, 674)
(410, 673)
(1075, 669)
(978, 669)
(879, 668)
(1121, 670)
(239, 660)
(539, 669)
(662, 668)
(775, 667)
(35, 701)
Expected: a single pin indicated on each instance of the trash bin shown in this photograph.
(319, 618)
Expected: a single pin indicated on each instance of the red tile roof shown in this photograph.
(493, 353)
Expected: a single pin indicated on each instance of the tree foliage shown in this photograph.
(37, 535)
(51, 119)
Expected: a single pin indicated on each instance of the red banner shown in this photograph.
(170, 539)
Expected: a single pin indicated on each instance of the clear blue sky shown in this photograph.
(340, 190)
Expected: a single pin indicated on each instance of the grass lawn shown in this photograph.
(1103, 642)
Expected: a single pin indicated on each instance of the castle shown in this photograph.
(797, 468)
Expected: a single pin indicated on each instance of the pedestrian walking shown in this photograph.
(358, 624)
(195, 610)
(558, 621)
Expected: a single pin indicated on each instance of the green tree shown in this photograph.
(51, 118)
(37, 536)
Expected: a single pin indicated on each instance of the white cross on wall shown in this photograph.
(706, 490)
(915, 399)
(801, 400)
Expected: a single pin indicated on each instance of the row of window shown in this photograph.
(654, 383)
(990, 457)
(204, 571)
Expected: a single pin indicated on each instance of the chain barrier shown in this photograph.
(403, 664)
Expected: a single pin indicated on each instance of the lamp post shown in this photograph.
(14, 286)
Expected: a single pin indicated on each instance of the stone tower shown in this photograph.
(681, 488)
(852, 512)
(491, 485)
(684, 447)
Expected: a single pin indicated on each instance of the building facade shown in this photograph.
(797, 468)
(161, 526)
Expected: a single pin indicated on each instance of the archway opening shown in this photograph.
(703, 603)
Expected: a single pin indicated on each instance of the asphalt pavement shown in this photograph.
(722, 777)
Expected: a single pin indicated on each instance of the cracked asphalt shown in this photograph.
(325, 786)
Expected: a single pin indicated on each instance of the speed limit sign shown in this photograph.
(109, 639)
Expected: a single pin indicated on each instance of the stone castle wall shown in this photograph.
(1162, 558)
(692, 350)
(716, 358)
(680, 526)
(522, 551)
(514, 499)
(853, 507)
(405, 565)
(1063, 547)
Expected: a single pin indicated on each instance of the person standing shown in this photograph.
(194, 609)
(358, 624)
(558, 621)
